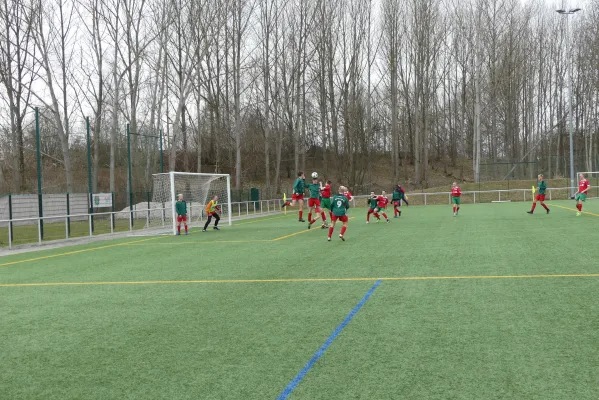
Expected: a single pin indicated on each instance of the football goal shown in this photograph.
(197, 190)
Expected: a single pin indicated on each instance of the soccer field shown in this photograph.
(492, 304)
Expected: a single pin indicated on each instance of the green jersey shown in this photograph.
(314, 189)
(181, 207)
(398, 195)
(372, 203)
(542, 186)
(299, 186)
(340, 204)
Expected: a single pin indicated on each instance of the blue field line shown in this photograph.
(298, 378)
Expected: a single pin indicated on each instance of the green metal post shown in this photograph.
(130, 174)
(39, 170)
(161, 154)
(89, 172)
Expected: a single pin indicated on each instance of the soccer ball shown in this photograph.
(315, 175)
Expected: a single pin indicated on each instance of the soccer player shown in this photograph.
(541, 188)
(381, 205)
(398, 195)
(314, 203)
(299, 188)
(212, 210)
(347, 193)
(581, 195)
(340, 205)
(372, 203)
(325, 192)
(181, 208)
(455, 198)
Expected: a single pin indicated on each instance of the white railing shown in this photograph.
(239, 210)
(483, 196)
(248, 209)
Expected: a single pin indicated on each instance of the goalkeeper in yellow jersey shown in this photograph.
(213, 211)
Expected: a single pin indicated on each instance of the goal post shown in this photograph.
(197, 190)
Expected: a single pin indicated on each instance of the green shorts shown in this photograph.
(455, 200)
(581, 197)
(326, 203)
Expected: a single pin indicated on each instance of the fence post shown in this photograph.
(66, 228)
(425, 199)
(91, 231)
(474, 197)
(39, 174)
(68, 215)
(10, 237)
(499, 195)
(449, 198)
(89, 173)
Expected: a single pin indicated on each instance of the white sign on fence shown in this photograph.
(102, 200)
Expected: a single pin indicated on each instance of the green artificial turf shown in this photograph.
(236, 314)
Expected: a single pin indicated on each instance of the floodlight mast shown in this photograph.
(571, 11)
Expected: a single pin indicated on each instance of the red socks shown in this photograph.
(534, 205)
(343, 229)
(331, 231)
(323, 216)
(309, 217)
(385, 215)
(579, 207)
(377, 215)
(454, 209)
(331, 215)
(301, 213)
(544, 206)
(186, 231)
(179, 228)
(395, 211)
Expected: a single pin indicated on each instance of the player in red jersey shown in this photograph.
(456, 192)
(581, 195)
(381, 205)
(325, 192)
(347, 193)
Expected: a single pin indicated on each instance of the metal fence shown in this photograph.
(64, 226)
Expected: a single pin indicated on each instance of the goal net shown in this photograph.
(197, 190)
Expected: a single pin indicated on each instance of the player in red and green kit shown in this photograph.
(340, 205)
(541, 189)
(381, 205)
(299, 189)
(181, 209)
(372, 203)
(456, 193)
(325, 193)
(581, 195)
(399, 194)
(314, 203)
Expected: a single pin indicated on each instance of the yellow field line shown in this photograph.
(68, 253)
(198, 242)
(573, 209)
(299, 280)
(298, 233)
(260, 220)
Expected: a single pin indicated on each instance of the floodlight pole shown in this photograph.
(570, 90)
